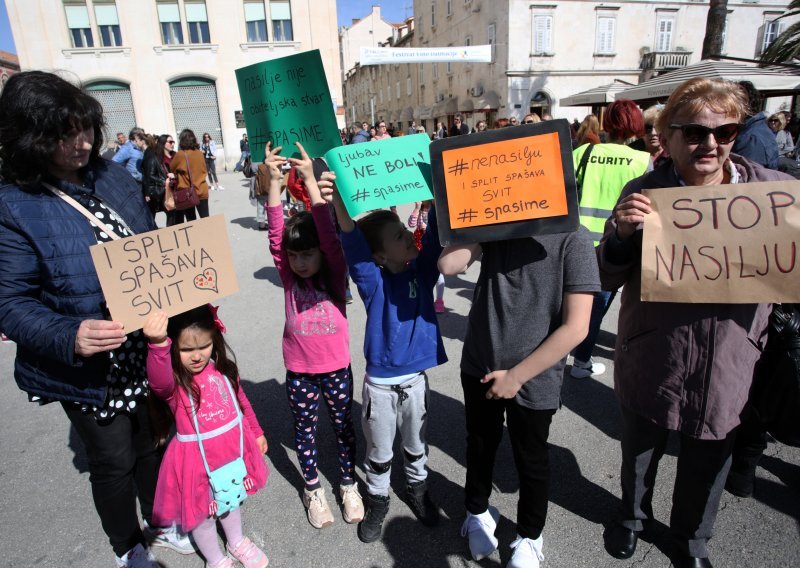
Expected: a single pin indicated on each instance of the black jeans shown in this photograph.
(528, 430)
(177, 217)
(123, 463)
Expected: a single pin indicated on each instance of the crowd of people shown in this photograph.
(537, 300)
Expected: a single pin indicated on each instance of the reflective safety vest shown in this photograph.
(609, 168)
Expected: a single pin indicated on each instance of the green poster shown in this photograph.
(287, 100)
(374, 175)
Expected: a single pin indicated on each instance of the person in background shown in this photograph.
(188, 160)
(512, 121)
(244, 148)
(609, 167)
(359, 133)
(131, 153)
(651, 141)
(532, 118)
(480, 126)
(458, 127)
(589, 131)
(412, 129)
(777, 123)
(546, 116)
(756, 141)
(69, 351)
(680, 367)
(441, 130)
(382, 133)
(155, 174)
(209, 150)
(421, 130)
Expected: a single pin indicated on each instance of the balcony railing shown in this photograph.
(660, 61)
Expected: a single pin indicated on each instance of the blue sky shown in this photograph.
(347, 10)
(6, 41)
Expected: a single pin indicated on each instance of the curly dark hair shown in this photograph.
(299, 234)
(37, 111)
(187, 140)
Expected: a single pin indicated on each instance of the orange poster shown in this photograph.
(500, 182)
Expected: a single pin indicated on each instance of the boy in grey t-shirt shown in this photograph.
(531, 306)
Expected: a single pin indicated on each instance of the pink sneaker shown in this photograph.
(249, 554)
(226, 562)
(438, 306)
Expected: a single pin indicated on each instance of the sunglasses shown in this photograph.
(528, 122)
(170, 141)
(513, 121)
(648, 128)
(697, 133)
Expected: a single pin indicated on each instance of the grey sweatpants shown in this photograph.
(383, 414)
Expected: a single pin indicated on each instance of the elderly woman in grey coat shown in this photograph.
(684, 368)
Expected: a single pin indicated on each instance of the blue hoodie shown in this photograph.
(402, 334)
(757, 143)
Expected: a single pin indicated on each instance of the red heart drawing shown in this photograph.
(207, 280)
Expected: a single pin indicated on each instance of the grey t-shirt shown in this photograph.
(517, 305)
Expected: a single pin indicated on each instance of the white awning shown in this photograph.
(604, 94)
(770, 81)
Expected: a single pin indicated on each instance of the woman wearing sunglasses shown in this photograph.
(680, 367)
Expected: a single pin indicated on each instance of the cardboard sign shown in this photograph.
(173, 269)
(508, 183)
(728, 244)
(287, 100)
(378, 174)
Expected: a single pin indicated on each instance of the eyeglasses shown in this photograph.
(648, 128)
(527, 122)
(170, 141)
(697, 133)
(381, 126)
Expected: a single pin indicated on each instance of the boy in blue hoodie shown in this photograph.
(402, 340)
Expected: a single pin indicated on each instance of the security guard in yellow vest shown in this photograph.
(608, 167)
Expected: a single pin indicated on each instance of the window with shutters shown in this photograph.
(542, 34)
(433, 14)
(281, 14)
(197, 22)
(169, 17)
(665, 26)
(770, 34)
(606, 28)
(256, 19)
(80, 29)
(105, 14)
(449, 7)
(491, 37)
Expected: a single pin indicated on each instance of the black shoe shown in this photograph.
(369, 530)
(685, 561)
(741, 480)
(620, 541)
(419, 500)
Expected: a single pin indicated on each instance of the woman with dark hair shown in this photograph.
(51, 303)
(602, 170)
(155, 174)
(189, 164)
(680, 367)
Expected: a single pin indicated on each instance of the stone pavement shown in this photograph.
(48, 519)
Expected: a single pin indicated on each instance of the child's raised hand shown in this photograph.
(274, 161)
(303, 164)
(155, 327)
(261, 441)
(327, 186)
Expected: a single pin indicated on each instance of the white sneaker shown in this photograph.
(584, 369)
(137, 557)
(219, 187)
(352, 504)
(319, 514)
(527, 553)
(168, 537)
(479, 529)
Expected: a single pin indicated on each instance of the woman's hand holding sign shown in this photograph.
(629, 214)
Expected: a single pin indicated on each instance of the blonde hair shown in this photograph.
(651, 114)
(691, 97)
(780, 117)
(589, 124)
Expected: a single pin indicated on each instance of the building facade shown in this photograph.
(370, 31)
(165, 65)
(545, 51)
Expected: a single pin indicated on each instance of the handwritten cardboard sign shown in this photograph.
(507, 183)
(287, 100)
(383, 173)
(728, 244)
(173, 269)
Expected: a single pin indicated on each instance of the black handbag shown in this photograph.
(776, 390)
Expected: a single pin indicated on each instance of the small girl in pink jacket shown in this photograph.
(188, 366)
